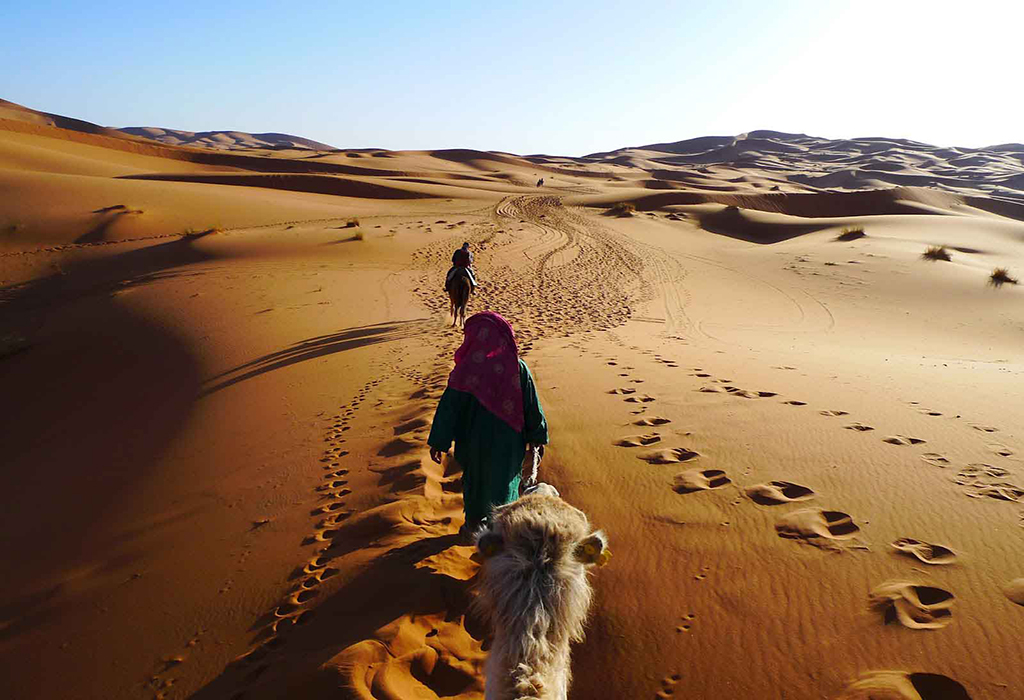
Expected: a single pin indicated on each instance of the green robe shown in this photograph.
(489, 450)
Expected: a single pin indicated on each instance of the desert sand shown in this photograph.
(801, 436)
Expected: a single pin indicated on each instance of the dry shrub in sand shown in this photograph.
(352, 223)
(534, 592)
(622, 209)
(1001, 276)
(851, 234)
(193, 232)
(936, 252)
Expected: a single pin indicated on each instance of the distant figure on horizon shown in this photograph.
(540, 182)
(491, 410)
(462, 259)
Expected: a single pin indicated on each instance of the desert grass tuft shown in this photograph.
(937, 252)
(192, 232)
(851, 233)
(352, 223)
(1001, 276)
(622, 209)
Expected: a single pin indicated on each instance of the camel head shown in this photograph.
(542, 527)
(536, 551)
(533, 589)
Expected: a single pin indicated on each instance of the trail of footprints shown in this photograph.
(910, 604)
(294, 609)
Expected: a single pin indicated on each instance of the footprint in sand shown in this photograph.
(817, 527)
(638, 440)
(652, 420)
(900, 685)
(622, 391)
(859, 427)
(978, 470)
(640, 399)
(1000, 449)
(776, 493)
(699, 480)
(935, 459)
(686, 623)
(998, 491)
(795, 403)
(669, 456)
(924, 551)
(980, 481)
(834, 413)
(1014, 590)
(984, 428)
(744, 393)
(914, 606)
(668, 686)
(903, 440)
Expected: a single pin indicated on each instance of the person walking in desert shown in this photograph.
(491, 411)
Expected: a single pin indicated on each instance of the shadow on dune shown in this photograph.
(732, 223)
(390, 587)
(102, 275)
(317, 183)
(89, 407)
(320, 346)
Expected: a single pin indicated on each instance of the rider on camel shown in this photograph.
(462, 259)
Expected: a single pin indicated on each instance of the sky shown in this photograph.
(562, 78)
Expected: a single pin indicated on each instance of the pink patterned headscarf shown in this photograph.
(487, 366)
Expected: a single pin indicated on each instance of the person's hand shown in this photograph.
(436, 454)
(529, 472)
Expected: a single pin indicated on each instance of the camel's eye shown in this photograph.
(489, 544)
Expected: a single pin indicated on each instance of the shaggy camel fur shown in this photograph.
(534, 592)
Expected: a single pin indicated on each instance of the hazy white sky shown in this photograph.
(526, 77)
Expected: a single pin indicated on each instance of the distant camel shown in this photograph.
(534, 591)
(458, 294)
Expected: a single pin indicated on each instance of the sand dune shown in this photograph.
(220, 367)
(225, 140)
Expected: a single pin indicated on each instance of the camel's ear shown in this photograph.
(489, 543)
(594, 549)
